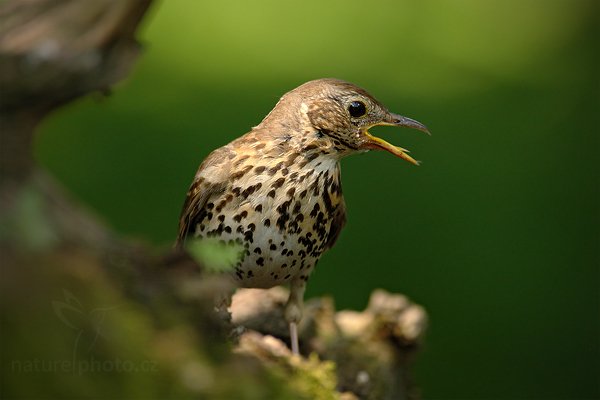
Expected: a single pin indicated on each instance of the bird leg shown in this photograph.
(293, 310)
(294, 337)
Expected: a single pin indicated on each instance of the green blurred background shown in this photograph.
(496, 234)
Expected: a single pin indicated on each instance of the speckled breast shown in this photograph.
(284, 219)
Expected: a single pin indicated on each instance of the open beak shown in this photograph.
(373, 142)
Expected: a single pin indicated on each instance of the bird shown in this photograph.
(276, 191)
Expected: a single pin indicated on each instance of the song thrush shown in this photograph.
(276, 190)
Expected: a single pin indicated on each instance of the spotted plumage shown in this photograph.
(276, 191)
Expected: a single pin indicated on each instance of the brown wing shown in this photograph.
(339, 214)
(338, 222)
(211, 180)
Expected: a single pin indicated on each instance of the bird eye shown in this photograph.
(357, 109)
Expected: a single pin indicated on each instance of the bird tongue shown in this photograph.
(373, 142)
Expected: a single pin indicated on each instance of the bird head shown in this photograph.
(343, 113)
